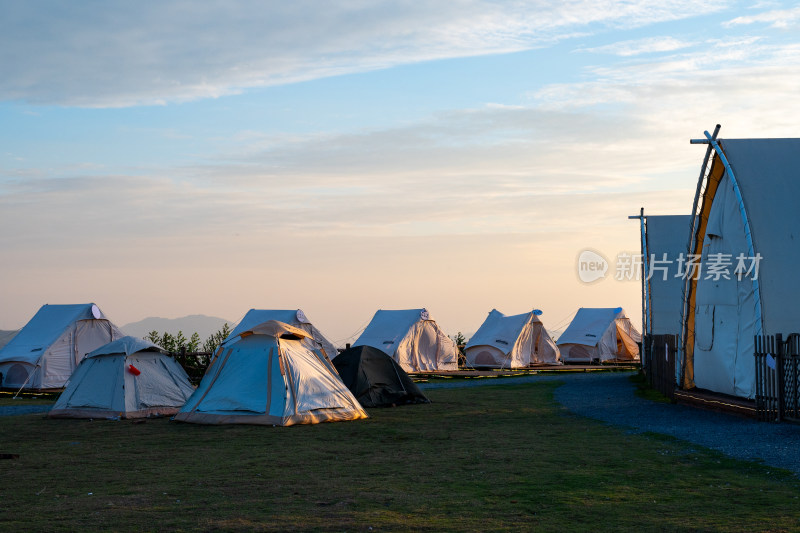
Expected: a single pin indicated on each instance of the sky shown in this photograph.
(174, 158)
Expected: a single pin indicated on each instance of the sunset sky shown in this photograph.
(174, 158)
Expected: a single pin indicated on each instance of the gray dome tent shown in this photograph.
(127, 378)
(375, 379)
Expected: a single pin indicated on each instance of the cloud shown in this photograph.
(781, 19)
(748, 84)
(542, 173)
(639, 47)
(106, 54)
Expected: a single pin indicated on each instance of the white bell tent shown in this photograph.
(745, 227)
(412, 338)
(45, 353)
(267, 375)
(293, 317)
(515, 341)
(599, 335)
(127, 378)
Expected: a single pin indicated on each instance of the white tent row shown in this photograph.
(515, 341)
(598, 335)
(412, 338)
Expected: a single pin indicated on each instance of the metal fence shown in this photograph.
(194, 363)
(777, 377)
(659, 362)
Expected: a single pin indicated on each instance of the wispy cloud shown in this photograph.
(781, 19)
(121, 54)
(638, 47)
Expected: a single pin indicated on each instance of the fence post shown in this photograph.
(756, 360)
(671, 366)
(793, 365)
(779, 348)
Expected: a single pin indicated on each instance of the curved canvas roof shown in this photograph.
(768, 176)
(744, 207)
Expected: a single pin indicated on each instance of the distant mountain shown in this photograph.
(205, 326)
(6, 336)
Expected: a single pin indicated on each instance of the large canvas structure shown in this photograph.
(513, 341)
(598, 335)
(45, 353)
(664, 250)
(293, 317)
(375, 379)
(267, 375)
(744, 231)
(412, 338)
(127, 378)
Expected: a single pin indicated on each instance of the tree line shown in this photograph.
(180, 344)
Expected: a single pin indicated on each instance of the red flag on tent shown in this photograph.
(133, 370)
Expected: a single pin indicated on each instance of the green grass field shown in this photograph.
(486, 458)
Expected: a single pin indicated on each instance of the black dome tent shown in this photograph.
(375, 379)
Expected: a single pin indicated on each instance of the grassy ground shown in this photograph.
(643, 390)
(27, 400)
(487, 458)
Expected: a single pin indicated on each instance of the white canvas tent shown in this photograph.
(513, 341)
(599, 334)
(746, 220)
(412, 338)
(45, 353)
(293, 317)
(267, 375)
(127, 378)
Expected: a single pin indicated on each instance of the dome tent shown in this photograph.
(513, 341)
(412, 338)
(293, 317)
(129, 378)
(267, 375)
(375, 379)
(599, 334)
(45, 353)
